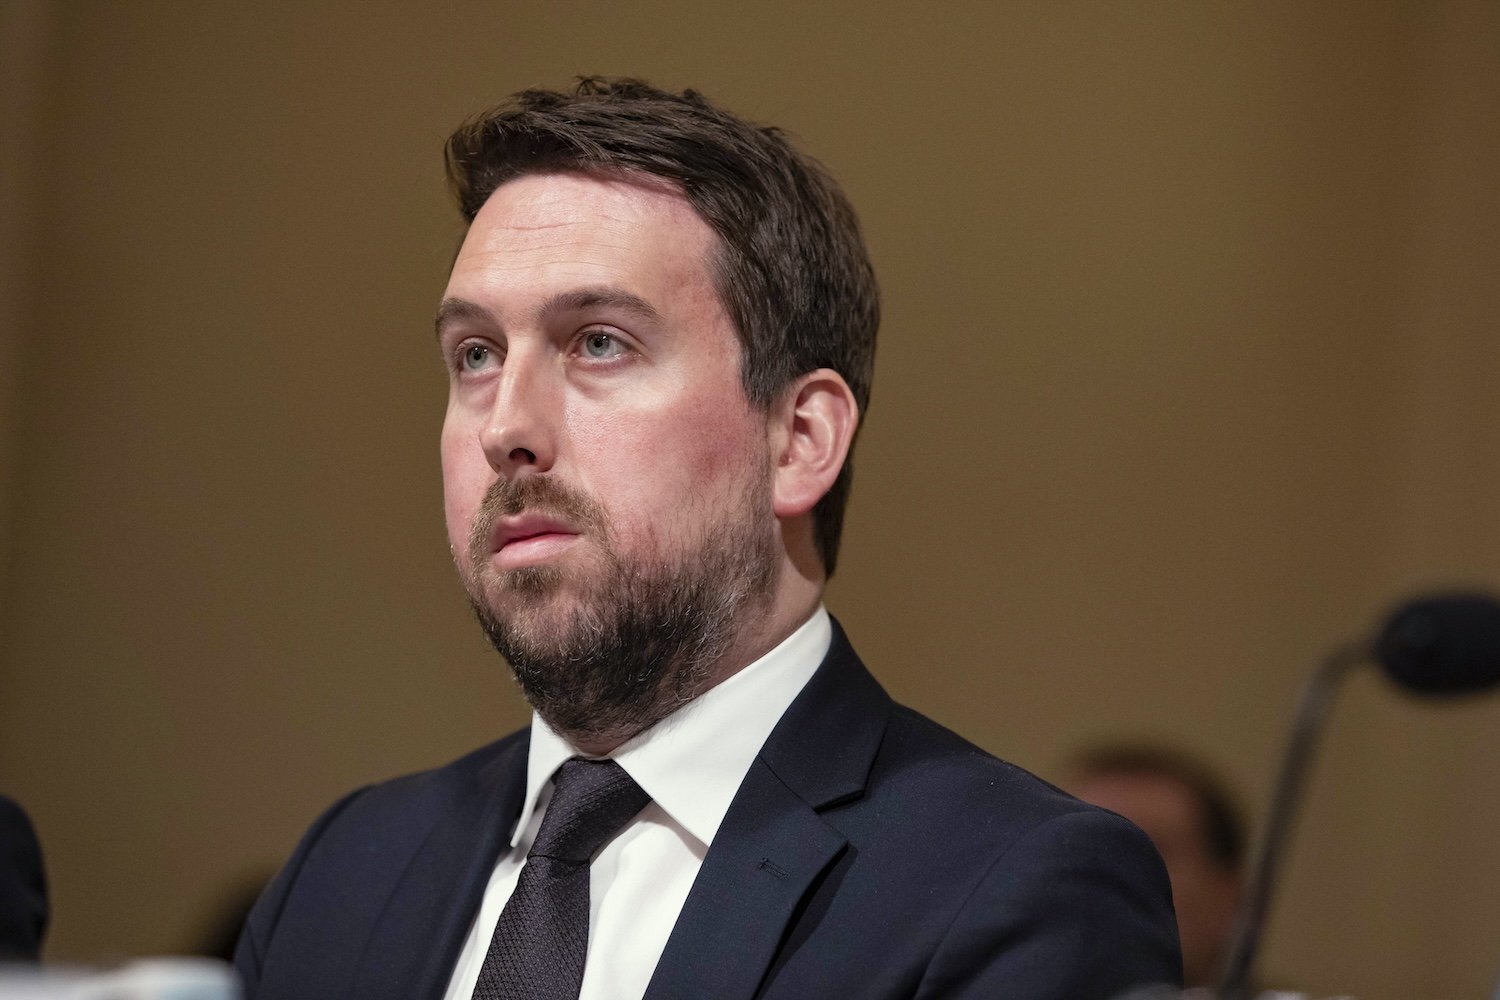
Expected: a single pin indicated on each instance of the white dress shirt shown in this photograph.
(691, 764)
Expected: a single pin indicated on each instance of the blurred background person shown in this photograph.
(1193, 820)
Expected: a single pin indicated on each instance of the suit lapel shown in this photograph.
(773, 845)
(769, 849)
(411, 952)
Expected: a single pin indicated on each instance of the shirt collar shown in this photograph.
(692, 762)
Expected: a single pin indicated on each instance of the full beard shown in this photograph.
(638, 639)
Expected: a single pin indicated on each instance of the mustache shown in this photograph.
(538, 494)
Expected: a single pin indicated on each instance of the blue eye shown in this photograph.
(601, 345)
(475, 356)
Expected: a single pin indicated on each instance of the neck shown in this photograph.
(760, 628)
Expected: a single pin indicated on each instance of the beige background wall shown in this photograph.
(1188, 371)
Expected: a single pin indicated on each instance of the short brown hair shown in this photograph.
(792, 268)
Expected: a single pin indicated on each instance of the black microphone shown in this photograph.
(1447, 644)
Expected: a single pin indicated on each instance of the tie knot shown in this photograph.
(591, 799)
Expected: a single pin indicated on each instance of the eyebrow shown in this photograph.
(594, 297)
(453, 310)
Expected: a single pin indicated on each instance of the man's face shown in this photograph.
(603, 470)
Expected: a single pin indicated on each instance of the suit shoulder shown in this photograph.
(1027, 863)
(921, 775)
(950, 778)
(354, 854)
(415, 794)
(1000, 883)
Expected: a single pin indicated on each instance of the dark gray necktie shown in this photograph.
(542, 936)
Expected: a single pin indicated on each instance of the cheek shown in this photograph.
(658, 465)
(464, 483)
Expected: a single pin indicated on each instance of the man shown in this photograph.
(1193, 822)
(659, 334)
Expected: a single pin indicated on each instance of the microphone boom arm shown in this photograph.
(1312, 709)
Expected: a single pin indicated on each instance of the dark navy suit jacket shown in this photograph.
(869, 853)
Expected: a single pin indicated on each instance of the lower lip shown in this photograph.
(531, 550)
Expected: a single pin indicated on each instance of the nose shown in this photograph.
(518, 436)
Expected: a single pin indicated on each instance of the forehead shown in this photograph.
(589, 227)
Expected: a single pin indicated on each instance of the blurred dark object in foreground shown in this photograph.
(23, 887)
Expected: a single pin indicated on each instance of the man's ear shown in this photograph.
(813, 426)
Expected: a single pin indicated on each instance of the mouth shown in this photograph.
(528, 540)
